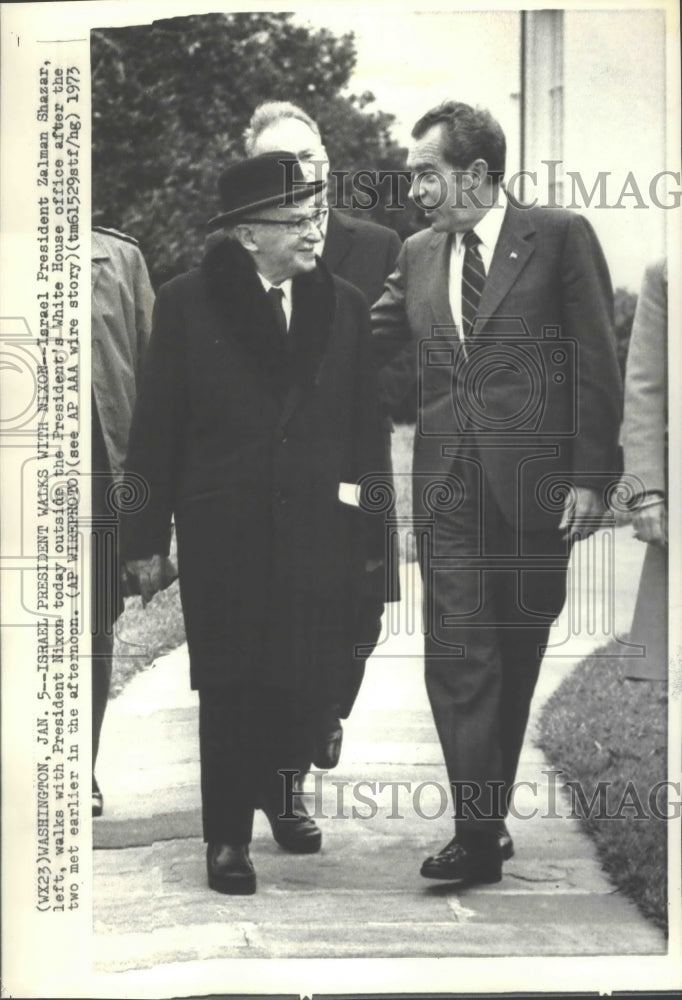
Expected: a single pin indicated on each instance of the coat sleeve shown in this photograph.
(645, 418)
(393, 246)
(156, 435)
(587, 308)
(394, 353)
(144, 307)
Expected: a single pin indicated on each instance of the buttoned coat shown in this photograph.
(538, 388)
(246, 438)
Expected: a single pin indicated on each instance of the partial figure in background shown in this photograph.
(121, 304)
(645, 429)
(364, 254)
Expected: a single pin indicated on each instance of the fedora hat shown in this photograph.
(248, 185)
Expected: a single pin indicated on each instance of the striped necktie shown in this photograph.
(276, 295)
(473, 280)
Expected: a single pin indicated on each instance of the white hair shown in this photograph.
(270, 112)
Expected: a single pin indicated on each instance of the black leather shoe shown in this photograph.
(298, 833)
(97, 799)
(466, 864)
(230, 869)
(505, 843)
(328, 744)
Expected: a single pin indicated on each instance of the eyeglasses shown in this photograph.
(297, 226)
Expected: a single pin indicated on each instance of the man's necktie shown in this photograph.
(276, 295)
(473, 280)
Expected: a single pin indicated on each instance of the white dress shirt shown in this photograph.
(286, 295)
(488, 231)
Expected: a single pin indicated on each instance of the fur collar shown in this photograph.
(237, 292)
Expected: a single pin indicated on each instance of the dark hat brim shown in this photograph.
(301, 192)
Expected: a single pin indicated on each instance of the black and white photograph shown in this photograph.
(341, 489)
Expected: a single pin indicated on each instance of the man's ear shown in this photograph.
(479, 172)
(246, 236)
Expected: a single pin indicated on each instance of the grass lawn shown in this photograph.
(144, 634)
(600, 727)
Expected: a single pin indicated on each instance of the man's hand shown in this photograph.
(583, 512)
(651, 523)
(152, 575)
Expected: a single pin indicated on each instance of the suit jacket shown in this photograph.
(645, 421)
(245, 437)
(362, 253)
(537, 391)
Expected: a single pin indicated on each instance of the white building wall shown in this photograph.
(614, 122)
(595, 101)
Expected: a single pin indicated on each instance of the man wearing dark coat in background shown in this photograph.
(257, 417)
(364, 254)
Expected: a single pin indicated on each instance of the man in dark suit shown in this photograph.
(364, 254)
(508, 311)
(257, 415)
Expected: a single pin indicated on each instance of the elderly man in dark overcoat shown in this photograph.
(257, 423)
(363, 253)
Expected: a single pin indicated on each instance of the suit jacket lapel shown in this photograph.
(437, 280)
(515, 247)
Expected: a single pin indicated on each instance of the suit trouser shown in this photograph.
(649, 620)
(247, 735)
(491, 594)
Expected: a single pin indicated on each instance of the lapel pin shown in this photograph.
(513, 255)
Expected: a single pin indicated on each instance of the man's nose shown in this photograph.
(313, 235)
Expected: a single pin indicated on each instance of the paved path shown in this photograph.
(362, 896)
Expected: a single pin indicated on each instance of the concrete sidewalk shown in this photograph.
(362, 895)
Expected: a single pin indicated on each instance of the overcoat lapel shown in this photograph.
(241, 307)
(313, 306)
(244, 314)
